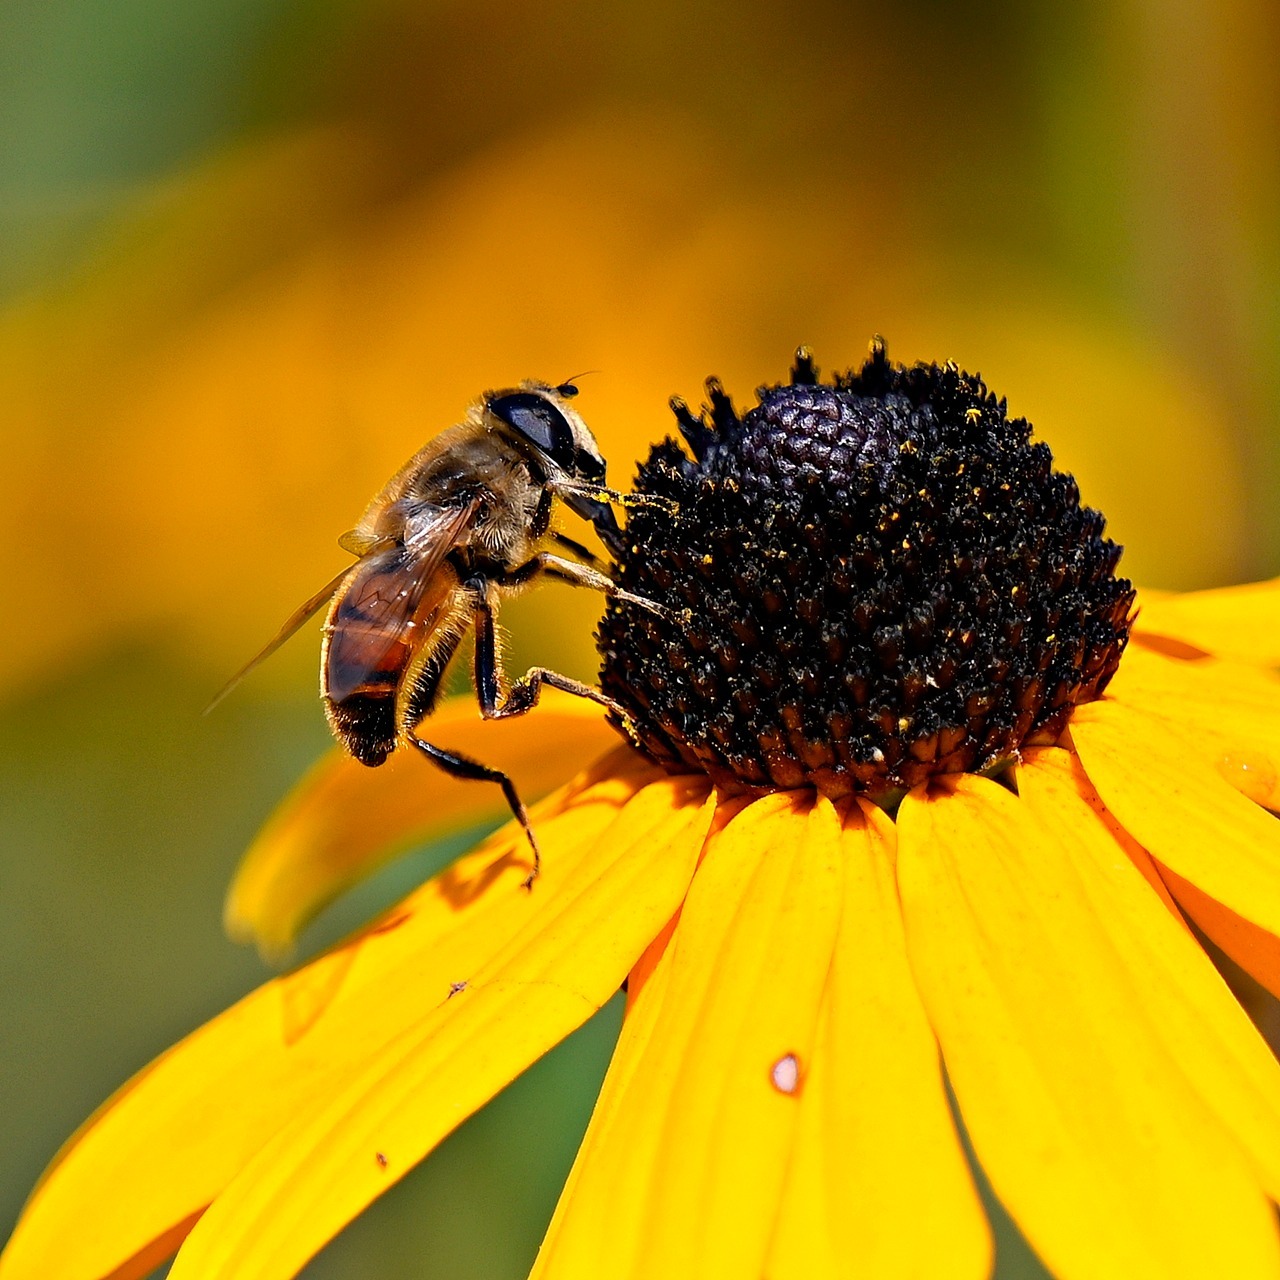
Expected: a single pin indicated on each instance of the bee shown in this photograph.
(464, 523)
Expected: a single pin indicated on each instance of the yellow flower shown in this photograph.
(815, 988)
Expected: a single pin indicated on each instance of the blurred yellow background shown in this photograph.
(256, 251)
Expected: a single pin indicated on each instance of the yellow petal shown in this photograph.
(564, 955)
(878, 1174)
(644, 1009)
(344, 820)
(1232, 622)
(1226, 711)
(1182, 809)
(1108, 1159)
(1188, 1005)
(159, 1151)
(682, 1168)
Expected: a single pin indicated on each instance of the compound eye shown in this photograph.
(587, 466)
(538, 420)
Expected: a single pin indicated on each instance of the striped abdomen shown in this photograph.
(383, 615)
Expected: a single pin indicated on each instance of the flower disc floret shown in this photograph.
(867, 582)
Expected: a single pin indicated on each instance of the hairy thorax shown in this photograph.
(477, 466)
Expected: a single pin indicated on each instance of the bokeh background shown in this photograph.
(254, 252)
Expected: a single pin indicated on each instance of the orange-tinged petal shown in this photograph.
(1253, 772)
(159, 1151)
(682, 1168)
(554, 968)
(1108, 1159)
(1255, 950)
(344, 820)
(1232, 622)
(1188, 1005)
(1181, 809)
(878, 1173)
(726, 810)
(643, 969)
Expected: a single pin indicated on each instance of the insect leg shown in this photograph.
(460, 766)
(488, 666)
(602, 493)
(585, 554)
(527, 690)
(580, 575)
(591, 502)
(419, 697)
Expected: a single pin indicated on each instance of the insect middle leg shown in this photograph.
(585, 554)
(524, 694)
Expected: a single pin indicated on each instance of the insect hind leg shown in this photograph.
(457, 765)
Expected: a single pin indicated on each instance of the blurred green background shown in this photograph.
(255, 251)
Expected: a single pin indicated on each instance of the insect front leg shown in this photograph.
(579, 575)
(592, 502)
(567, 489)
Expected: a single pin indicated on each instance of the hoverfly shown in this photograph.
(465, 522)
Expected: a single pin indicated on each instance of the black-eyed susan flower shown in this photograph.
(921, 826)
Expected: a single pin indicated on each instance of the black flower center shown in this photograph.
(868, 581)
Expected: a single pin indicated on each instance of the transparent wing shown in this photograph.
(369, 639)
(295, 620)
